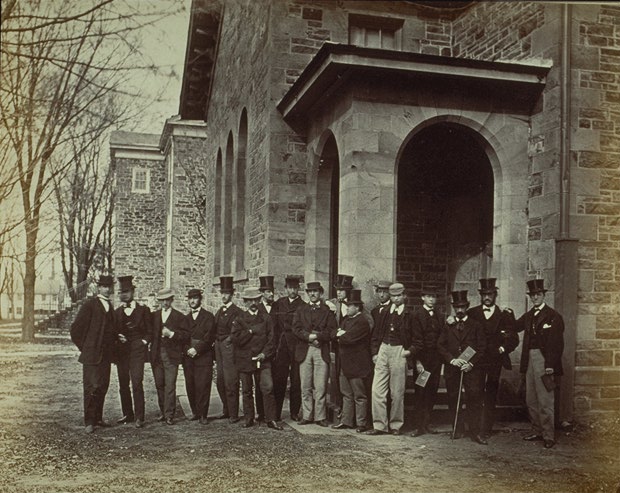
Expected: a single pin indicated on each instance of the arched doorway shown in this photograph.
(444, 211)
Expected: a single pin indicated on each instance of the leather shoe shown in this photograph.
(361, 429)
(479, 439)
(222, 416)
(395, 432)
(323, 423)
(203, 420)
(139, 423)
(89, 429)
(305, 422)
(457, 435)
(194, 417)
(549, 444)
(274, 426)
(373, 432)
(233, 420)
(533, 437)
(248, 424)
(295, 417)
(161, 419)
(169, 421)
(419, 432)
(341, 426)
(103, 424)
(124, 420)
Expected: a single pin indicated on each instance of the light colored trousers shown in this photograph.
(390, 376)
(313, 373)
(540, 401)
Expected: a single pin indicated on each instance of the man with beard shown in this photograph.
(265, 306)
(315, 326)
(501, 340)
(284, 363)
(227, 375)
(252, 336)
(170, 335)
(133, 324)
(461, 332)
(94, 334)
(198, 357)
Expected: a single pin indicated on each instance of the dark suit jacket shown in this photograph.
(499, 331)
(550, 327)
(274, 319)
(227, 318)
(174, 345)
(141, 320)
(452, 341)
(202, 336)
(88, 330)
(248, 344)
(284, 312)
(354, 347)
(378, 316)
(320, 322)
(426, 331)
(406, 332)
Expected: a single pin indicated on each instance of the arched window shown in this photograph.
(217, 215)
(227, 193)
(239, 196)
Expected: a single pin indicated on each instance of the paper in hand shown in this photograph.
(467, 354)
(422, 378)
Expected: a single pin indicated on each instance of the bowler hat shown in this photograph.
(226, 284)
(354, 297)
(428, 291)
(194, 293)
(459, 298)
(536, 286)
(251, 294)
(291, 282)
(125, 283)
(266, 283)
(383, 284)
(343, 281)
(487, 285)
(165, 293)
(314, 285)
(105, 281)
(397, 288)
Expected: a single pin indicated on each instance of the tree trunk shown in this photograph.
(30, 277)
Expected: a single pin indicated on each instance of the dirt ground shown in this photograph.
(43, 448)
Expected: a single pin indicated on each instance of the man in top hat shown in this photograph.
(133, 324)
(543, 344)
(198, 356)
(501, 340)
(427, 326)
(170, 337)
(390, 345)
(252, 336)
(227, 375)
(455, 338)
(315, 326)
(267, 290)
(94, 334)
(286, 344)
(355, 364)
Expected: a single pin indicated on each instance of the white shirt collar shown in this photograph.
(542, 305)
(227, 305)
(396, 309)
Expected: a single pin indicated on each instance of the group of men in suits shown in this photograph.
(365, 356)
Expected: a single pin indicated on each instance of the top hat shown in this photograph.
(266, 283)
(164, 294)
(487, 286)
(343, 282)
(194, 293)
(251, 294)
(291, 282)
(126, 283)
(397, 288)
(459, 298)
(314, 285)
(226, 284)
(428, 291)
(383, 284)
(105, 281)
(355, 297)
(536, 286)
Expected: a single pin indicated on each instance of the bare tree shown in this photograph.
(59, 61)
(195, 196)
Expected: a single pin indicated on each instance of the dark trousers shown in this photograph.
(425, 396)
(258, 395)
(490, 386)
(165, 374)
(265, 383)
(472, 384)
(130, 368)
(354, 401)
(335, 395)
(227, 378)
(284, 366)
(96, 380)
(198, 379)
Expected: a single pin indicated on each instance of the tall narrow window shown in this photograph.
(227, 190)
(375, 32)
(141, 180)
(239, 196)
(217, 216)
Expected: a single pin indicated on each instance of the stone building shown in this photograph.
(427, 142)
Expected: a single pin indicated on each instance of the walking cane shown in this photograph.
(458, 406)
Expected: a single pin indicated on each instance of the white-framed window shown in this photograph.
(375, 32)
(18, 310)
(141, 180)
